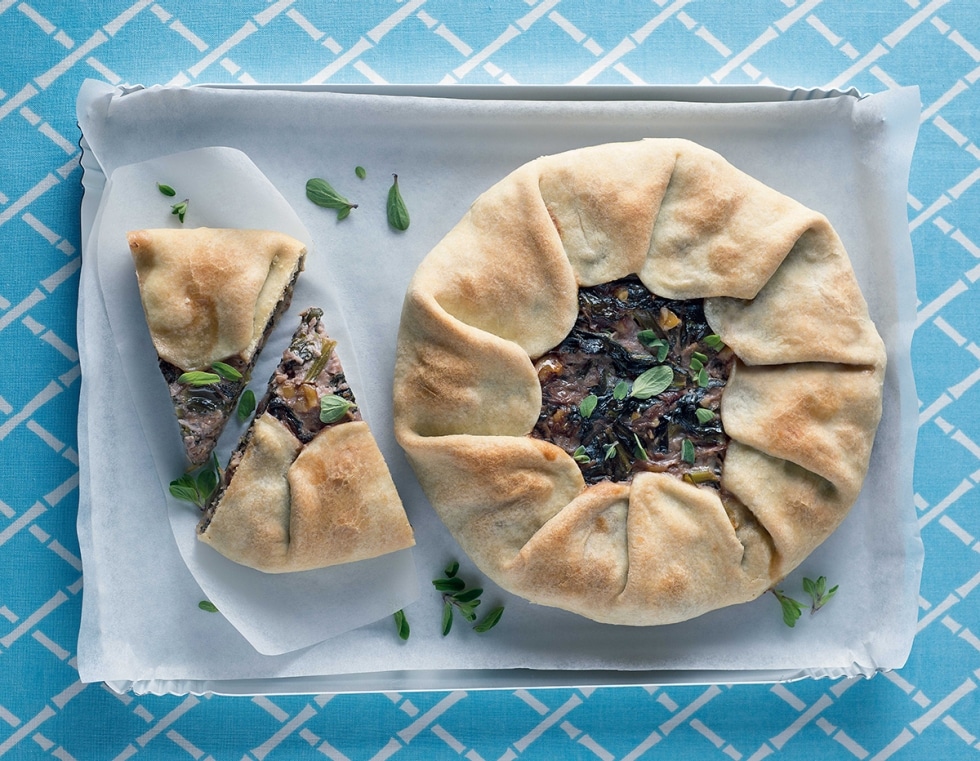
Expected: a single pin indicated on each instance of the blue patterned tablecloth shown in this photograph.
(928, 709)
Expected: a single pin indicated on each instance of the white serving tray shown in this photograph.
(845, 154)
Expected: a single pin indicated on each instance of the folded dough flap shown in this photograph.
(656, 551)
(502, 268)
(208, 294)
(604, 221)
(820, 416)
(798, 508)
(719, 232)
(295, 508)
(811, 310)
(493, 492)
(453, 378)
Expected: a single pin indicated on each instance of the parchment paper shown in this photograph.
(276, 613)
(844, 156)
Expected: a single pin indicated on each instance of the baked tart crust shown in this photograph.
(211, 295)
(800, 407)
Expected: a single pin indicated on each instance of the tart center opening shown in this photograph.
(636, 386)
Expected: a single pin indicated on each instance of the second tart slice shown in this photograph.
(307, 486)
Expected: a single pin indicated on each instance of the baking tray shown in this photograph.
(744, 123)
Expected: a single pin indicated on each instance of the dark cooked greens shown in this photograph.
(636, 385)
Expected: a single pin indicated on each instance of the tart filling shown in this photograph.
(593, 389)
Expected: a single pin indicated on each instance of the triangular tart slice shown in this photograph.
(307, 486)
(211, 298)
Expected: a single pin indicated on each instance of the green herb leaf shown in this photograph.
(401, 624)
(452, 584)
(792, 609)
(199, 378)
(333, 408)
(704, 415)
(197, 488)
(654, 381)
(640, 451)
(322, 193)
(703, 378)
(696, 364)
(397, 211)
(468, 595)
(714, 341)
(452, 569)
(185, 488)
(587, 406)
(611, 450)
(166, 190)
(490, 620)
(246, 405)
(207, 482)
(621, 391)
(649, 338)
(180, 209)
(580, 455)
(468, 610)
(818, 592)
(361, 172)
(207, 605)
(447, 618)
(226, 371)
(687, 451)
(702, 358)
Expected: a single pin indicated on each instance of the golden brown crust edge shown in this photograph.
(208, 293)
(801, 409)
(295, 508)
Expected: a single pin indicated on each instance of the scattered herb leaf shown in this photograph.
(640, 451)
(587, 406)
(246, 405)
(199, 378)
(207, 605)
(696, 364)
(652, 382)
(322, 193)
(447, 618)
(792, 609)
(687, 451)
(397, 211)
(611, 450)
(490, 620)
(703, 378)
(180, 209)
(704, 415)
(333, 408)
(457, 598)
(819, 594)
(361, 172)
(621, 391)
(166, 190)
(197, 487)
(452, 584)
(226, 371)
(702, 358)
(580, 455)
(714, 341)
(401, 624)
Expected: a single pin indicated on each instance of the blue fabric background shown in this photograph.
(929, 709)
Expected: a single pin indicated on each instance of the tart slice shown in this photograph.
(307, 486)
(211, 298)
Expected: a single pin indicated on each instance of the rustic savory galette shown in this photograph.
(211, 298)
(307, 486)
(636, 383)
